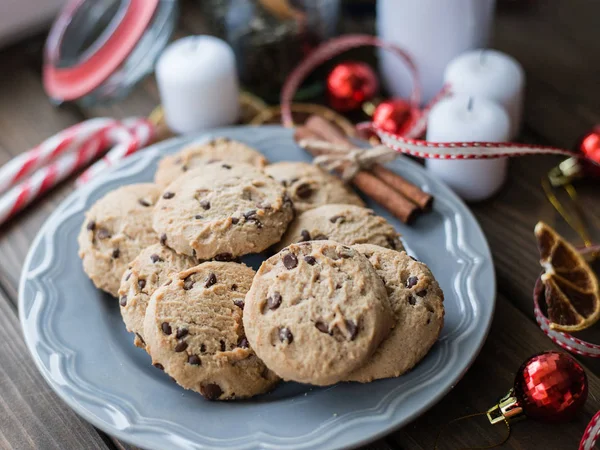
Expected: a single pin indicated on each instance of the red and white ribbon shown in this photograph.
(409, 142)
(590, 436)
(33, 173)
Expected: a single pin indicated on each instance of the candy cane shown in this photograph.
(590, 436)
(67, 153)
(68, 140)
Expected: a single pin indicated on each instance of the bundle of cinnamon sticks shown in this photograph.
(399, 196)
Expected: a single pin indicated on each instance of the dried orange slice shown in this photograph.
(571, 287)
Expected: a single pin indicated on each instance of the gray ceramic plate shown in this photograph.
(80, 345)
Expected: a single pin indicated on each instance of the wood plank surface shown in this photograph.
(556, 43)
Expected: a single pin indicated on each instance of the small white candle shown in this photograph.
(198, 84)
(433, 32)
(491, 74)
(463, 118)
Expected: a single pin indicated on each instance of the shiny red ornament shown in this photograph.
(589, 146)
(551, 386)
(350, 84)
(394, 116)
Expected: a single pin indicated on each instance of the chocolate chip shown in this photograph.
(290, 261)
(422, 293)
(141, 284)
(304, 191)
(223, 257)
(222, 345)
(181, 332)
(159, 366)
(274, 300)
(320, 237)
(144, 203)
(194, 252)
(243, 343)
(226, 166)
(168, 195)
(205, 204)
(285, 335)
(210, 280)
(412, 300)
(123, 301)
(338, 286)
(391, 242)
(310, 260)
(339, 219)
(166, 328)
(198, 217)
(234, 287)
(103, 233)
(163, 239)
(181, 346)
(128, 276)
(412, 281)
(155, 258)
(352, 329)
(184, 168)
(211, 391)
(305, 236)
(250, 214)
(91, 225)
(188, 283)
(322, 327)
(239, 303)
(234, 220)
(202, 348)
(115, 253)
(194, 360)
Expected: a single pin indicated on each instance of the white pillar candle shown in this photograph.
(433, 32)
(198, 84)
(491, 74)
(462, 118)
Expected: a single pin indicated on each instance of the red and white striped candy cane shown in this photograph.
(67, 153)
(67, 141)
(131, 135)
(408, 143)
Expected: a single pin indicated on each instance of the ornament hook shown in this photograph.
(507, 408)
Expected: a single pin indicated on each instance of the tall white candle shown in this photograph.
(491, 74)
(198, 84)
(464, 118)
(433, 32)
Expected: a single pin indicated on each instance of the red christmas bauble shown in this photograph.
(350, 84)
(589, 146)
(394, 116)
(551, 386)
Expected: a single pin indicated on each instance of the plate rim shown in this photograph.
(386, 428)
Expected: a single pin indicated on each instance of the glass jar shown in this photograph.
(270, 37)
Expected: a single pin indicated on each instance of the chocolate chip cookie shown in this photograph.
(418, 305)
(346, 224)
(194, 332)
(309, 186)
(222, 211)
(148, 271)
(221, 149)
(316, 311)
(116, 229)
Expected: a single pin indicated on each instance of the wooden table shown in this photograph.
(556, 41)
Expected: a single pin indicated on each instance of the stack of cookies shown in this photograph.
(339, 300)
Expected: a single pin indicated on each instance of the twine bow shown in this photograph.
(347, 160)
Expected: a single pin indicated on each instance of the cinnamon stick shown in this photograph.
(378, 190)
(421, 198)
(329, 132)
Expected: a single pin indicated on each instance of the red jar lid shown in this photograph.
(76, 81)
